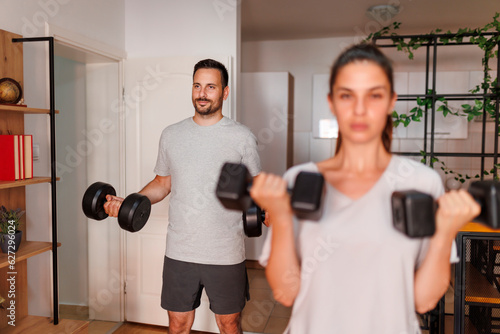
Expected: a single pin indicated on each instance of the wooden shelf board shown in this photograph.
(26, 250)
(24, 110)
(25, 182)
(476, 227)
(35, 324)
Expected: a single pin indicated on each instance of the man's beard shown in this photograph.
(210, 109)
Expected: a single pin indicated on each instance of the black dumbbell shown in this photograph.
(134, 210)
(235, 182)
(253, 218)
(413, 212)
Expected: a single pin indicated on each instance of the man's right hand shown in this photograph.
(112, 206)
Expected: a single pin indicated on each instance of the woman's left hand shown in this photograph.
(456, 208)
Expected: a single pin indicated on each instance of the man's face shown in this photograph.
(208, 94)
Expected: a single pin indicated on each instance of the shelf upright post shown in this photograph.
(53, 175)
(426, 109)
(483, 123)
(433, 115)
(497, 130)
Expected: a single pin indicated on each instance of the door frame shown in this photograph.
(99, 307)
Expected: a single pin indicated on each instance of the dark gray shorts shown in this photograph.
(226, 286)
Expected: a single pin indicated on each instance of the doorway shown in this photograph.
(88, 134)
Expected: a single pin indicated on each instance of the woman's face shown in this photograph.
(361, 99)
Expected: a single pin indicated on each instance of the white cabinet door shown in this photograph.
(157, 94)
(266, 108)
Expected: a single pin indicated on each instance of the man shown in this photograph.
(205, 242)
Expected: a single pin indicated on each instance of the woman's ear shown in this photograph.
(330, 103)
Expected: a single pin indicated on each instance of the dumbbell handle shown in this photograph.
(115, 198)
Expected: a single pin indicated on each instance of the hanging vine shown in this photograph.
(487, 42)
(488, 86)
(459, 176)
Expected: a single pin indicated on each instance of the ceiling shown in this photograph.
(301, 19)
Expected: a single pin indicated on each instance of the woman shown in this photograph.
(352, 272)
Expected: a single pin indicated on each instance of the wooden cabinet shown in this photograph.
(13, 271)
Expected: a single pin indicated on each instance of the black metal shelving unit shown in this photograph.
(435, 322)
(431, 69)
(53, 176)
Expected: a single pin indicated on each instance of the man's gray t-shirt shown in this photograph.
(357, 270)
(200, 229)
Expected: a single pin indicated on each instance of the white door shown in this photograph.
(157, 94)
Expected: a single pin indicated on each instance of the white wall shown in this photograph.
(302, 58)
(305, 58)
(201, 28)
(98, 20)
(102, 21)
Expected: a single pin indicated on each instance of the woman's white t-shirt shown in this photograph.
(357, 270)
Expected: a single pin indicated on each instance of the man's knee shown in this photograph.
(180, 322)
(229, 323)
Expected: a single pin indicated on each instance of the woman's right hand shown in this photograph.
(112, 206)
(269, 192)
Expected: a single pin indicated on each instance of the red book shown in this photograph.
(21, 157)
(28, 156)
(9, 157)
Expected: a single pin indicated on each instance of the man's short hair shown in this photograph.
(210, 63)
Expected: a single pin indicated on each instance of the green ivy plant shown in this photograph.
(488, 86)
(415, 114)
(458, 176)
(486, 42)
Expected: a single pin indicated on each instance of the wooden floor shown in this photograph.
(270, 321)
(131, 328)
(34, 324)
(262, 314)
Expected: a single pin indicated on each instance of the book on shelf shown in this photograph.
(16, 162)
(21, 157)
(28, 156)
(9, 151)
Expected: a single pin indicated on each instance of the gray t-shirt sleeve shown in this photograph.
(251, 157)
(162, 167)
